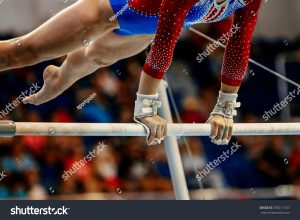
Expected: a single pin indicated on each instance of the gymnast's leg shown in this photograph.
(70, 29)
(100, 53)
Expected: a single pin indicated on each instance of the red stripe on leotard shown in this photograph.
(210, 12)
(216, 15)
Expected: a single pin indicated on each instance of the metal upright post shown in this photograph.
(172, 150)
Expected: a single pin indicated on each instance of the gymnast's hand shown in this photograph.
(157, 129)
(221, 129)
(145, 113)
(221, 118)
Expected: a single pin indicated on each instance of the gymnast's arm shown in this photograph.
(234, 66)
(172, 16)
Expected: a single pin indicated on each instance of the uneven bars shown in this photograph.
(10, 128)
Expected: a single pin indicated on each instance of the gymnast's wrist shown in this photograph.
(146, 105)
(148, 85)
(155, 73)
(226, 105)
(226, 88)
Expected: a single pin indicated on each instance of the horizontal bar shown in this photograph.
(9, 128)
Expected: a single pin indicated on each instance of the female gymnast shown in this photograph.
(97, 33)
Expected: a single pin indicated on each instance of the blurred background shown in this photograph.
(264, 167)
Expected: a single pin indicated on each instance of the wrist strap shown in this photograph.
(226, 105)
(146, 105)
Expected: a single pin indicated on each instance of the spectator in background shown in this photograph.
(36, 191)
(34, 144)
(157, 177)
(51, 166)
(106, 169)
(132, 167)
(18, 165)
(18, 161)
(83, 176)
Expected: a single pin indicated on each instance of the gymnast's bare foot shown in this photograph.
(51, 89)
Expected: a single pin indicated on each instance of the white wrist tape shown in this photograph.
(146, 105)
(226, 105)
